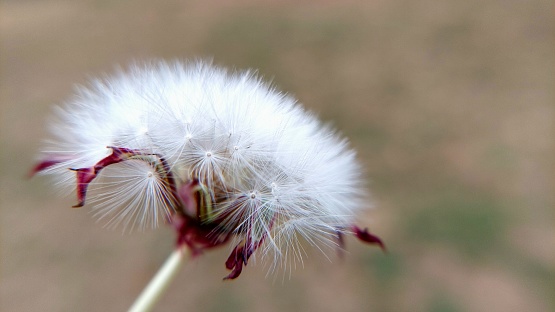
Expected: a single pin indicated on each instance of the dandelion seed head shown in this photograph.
(271, 171)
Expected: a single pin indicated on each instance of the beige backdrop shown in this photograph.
(449, 103)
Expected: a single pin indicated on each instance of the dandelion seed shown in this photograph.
(220, 156)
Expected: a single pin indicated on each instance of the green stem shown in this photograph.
(160, 282)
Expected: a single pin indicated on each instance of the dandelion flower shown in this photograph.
(221, 156)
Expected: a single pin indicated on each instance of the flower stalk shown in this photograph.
(160, 282)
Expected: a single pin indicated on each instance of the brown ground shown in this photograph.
(450, 104)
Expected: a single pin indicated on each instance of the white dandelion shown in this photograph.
(220, 155)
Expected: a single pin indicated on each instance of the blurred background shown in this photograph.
(449, 104)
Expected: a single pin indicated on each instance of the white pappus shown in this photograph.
(220, 155)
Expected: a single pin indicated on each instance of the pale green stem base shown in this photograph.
(159, 283)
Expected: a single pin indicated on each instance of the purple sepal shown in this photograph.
(368, 237)
(235, 262)
(238, 258)
(45, 164)
(86, 175)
